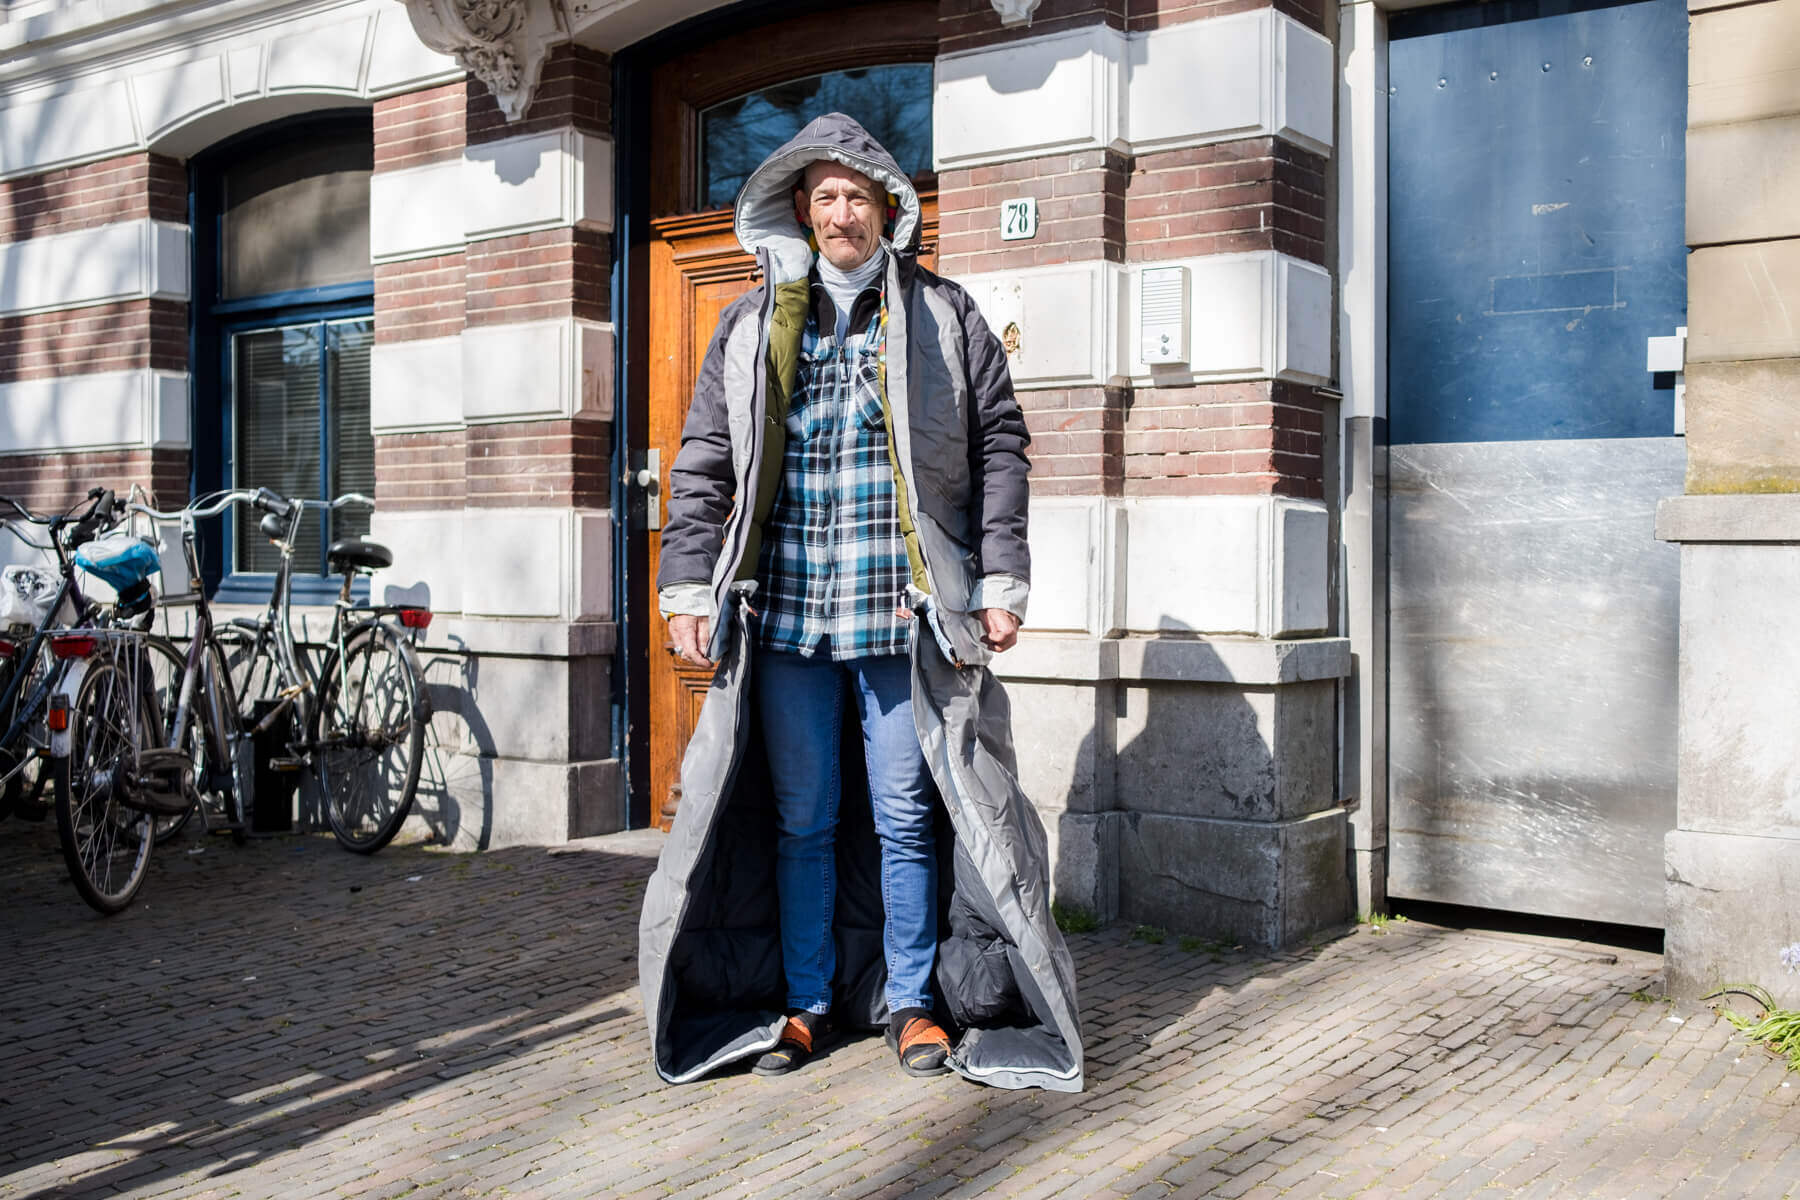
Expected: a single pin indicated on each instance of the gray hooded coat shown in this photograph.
(709, 937)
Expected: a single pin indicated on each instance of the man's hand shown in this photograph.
(691, 636)
(1002, 629)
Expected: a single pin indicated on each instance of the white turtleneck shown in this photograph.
(845, 286)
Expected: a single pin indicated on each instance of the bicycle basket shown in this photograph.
(119, 559)
(26, 594)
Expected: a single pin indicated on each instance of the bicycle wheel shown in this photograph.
(105, 841)
(23, 792)
(369, 737)
(249, 659)
(167, 666)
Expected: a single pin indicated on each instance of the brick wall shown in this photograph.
(968, 24)
(415, 471)
(1254, 194)
(535, 276)
(540, 463)
(1081, 212)
(1252, 438)
(543, 275)
(1077, 435)
(420, 127)
(51, 483)
(101, 337)
(128, 188)
(1245, 195)
(574, 91)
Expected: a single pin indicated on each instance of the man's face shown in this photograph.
(843, 208)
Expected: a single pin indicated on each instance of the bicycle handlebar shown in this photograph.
(262, 498)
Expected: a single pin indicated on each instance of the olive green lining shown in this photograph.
(787, 327)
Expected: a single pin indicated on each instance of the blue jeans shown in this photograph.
(800, 706)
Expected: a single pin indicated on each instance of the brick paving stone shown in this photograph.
(490, 1011)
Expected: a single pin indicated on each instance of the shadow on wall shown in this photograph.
(1189, 820)
(454, 804)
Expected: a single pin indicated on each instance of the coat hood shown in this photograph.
(765, 208)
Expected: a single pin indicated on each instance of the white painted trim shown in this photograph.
(130, 260)
(1242, 75)
(497, 189)
(112, 410)
(94, 84)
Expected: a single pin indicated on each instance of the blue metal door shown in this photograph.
(1535, 242)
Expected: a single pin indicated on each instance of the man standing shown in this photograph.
(852, 478)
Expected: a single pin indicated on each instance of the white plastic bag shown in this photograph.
(26, 594)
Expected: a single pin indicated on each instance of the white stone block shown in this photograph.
(174, 95)
(1199, 81)
(539, 181)
(399, 61)
(1068, 320)
(324, 59)
(244, 70)
(416, 385)
(1077, 545)
(1241, 75)
(416, 212)
(110, 410)
(516, 562)
(1302, 321)
(428, 559)
(125, 261)
(537, 563)
(1060, 92)
(537, 370)
(1301, 84)
(1298, 587)
(1252, 565)
(592, 598)
(1259, 315)
(76, 126)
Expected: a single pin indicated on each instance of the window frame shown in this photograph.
(214, 323)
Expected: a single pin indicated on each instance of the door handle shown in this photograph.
(648, 480)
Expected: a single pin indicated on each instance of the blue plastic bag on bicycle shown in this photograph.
(119, 559)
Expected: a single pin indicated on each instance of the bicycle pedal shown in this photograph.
(285, 765)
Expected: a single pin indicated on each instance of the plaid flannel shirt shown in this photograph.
(833, 565)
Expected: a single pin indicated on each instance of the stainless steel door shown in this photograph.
(1535, 242)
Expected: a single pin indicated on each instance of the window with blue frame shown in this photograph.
(284, 324)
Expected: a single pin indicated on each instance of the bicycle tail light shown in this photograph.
(58, 715)
(6, 648)
(73, 645)
(415, 618)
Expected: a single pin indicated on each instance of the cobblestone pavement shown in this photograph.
(285, 1019)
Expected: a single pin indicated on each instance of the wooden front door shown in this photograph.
(696, 268)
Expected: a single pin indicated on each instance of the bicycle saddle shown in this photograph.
(355, 552)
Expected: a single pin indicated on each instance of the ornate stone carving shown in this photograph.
(501, 42)
(1015, 12)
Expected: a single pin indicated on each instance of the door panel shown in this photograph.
(1535, 242)
(695, 268)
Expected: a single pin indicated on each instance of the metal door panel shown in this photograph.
(1531, 675)
(1536, 190)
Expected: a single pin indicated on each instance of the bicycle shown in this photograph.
(360, 718)
(28, 669)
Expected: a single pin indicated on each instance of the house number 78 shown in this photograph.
(1018, 218)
